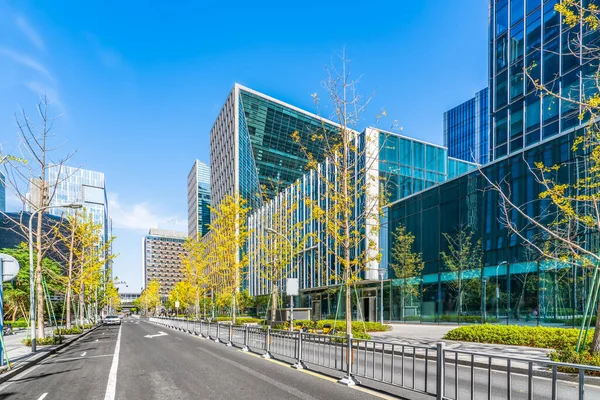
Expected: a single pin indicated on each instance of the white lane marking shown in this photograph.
(160, 333)
(111, 385)
(83, 354)
(97, 339)
(42, 397)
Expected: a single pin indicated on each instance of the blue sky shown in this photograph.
(139, 84)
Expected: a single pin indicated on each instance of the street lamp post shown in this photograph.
(32, 317)
(502, 263)
(273, 231)
(381, 272)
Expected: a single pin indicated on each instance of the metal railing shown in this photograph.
(436, 372)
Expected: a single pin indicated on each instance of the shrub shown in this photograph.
(48, 340)
(572, 357)
(240, 320)
(71, 331)
(532, 336)
(579, 320)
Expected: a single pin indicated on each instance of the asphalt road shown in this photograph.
(122, 363)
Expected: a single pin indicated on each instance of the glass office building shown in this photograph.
(402, 167)
(198, 200)
(76, 185)
(512, 285)
(466, 129)
(528, 35)
(251, 145)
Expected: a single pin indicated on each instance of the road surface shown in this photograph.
(121, 362)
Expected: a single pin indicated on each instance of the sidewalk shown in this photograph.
(17, 351)
(430, 335)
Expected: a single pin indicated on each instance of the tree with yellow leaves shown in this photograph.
(150, 297)
(181, 296)
(196, 268)
(228, 236)
(349, 209)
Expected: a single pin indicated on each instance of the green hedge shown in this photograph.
(552, 338)
(21, 323)
(572, 357)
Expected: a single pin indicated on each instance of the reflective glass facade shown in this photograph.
(405, 166)
(466, 129)
(252, 150)
(525, 290)
(530, 35)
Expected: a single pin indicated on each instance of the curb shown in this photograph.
(24, 365)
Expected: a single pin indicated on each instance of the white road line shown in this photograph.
(83, 354)
(111, 386)
(42, 397)
(97, 339)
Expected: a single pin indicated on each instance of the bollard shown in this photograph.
(441, 373)
(218, 332)
(299, 363)
(268, 344)
(349, 380)
(230, 341)
(245, 348)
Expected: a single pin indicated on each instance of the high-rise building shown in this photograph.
(76, 185)
(466, 129)
(162, 252)
(198, 200)
(2, 193)
(526, 36)
(252, 151)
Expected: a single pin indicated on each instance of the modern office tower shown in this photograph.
(466, 129)
(76, 185)
(162, 252)
(2, 193)
(527, 35)
(251, 147)
(198, 200)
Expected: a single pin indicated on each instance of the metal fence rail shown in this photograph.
(436, 372)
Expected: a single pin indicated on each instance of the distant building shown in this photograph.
(466, 133)
(162, 252)
(198, 200)
(76, 185)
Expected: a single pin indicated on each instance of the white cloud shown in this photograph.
(51, 94)
(31, 33)
(25, 61)
(138, 216)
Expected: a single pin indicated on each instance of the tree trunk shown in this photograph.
(41, 332)
(595, 346)
(402, 302)
(69, 279)
(14, 313)
(273, 304)
(81, 303)
(459, 301)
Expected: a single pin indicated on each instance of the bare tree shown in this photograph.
(27, 177)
